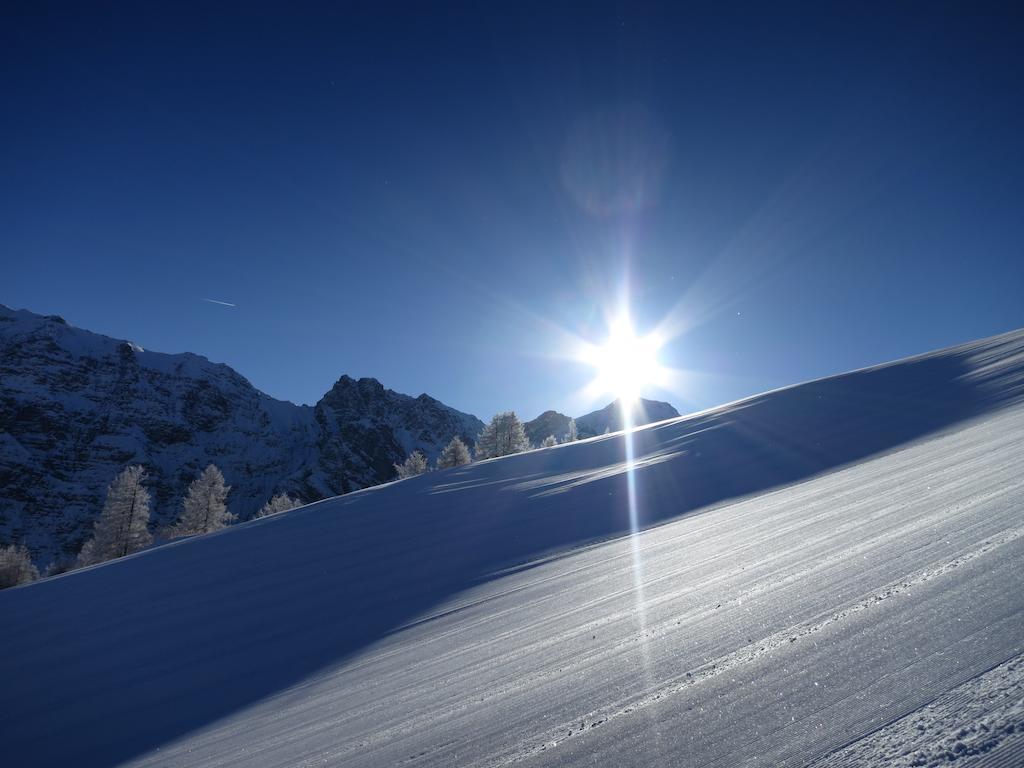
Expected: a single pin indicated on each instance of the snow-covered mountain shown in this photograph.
(827, 574)
(607, 419)
(76, 407)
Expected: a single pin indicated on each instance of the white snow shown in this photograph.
(828, 574)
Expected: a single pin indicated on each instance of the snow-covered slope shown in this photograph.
(824, 574)
(76, 407)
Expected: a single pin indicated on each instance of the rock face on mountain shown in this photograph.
(365, 429)
(609, 418)
(76, 407)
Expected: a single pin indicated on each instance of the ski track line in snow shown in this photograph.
(978, 723)
(747, 653)
(773, 748)
(909, 699)
(903, 691)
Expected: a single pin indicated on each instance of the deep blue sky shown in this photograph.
(421, 194)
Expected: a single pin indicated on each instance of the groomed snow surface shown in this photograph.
(829, 574)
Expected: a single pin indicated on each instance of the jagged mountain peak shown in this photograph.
(355, 392)
(366, 382)
(551, 414)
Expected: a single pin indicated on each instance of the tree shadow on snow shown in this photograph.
(108, 664)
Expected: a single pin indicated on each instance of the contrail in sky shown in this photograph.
(222, 303)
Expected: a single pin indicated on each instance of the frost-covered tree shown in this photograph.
(16, 566)
(204, 509)
(455, 454)
(415, 464)
(548, 442)
(572, 435)
(282, 502)
(503, 436)
(123, 525)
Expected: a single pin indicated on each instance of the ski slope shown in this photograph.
(829, 574)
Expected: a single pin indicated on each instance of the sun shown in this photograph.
(626, 363)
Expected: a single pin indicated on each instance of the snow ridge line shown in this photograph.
(977, 717)
(750, 652)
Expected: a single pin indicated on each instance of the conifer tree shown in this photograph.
(572, 436)
(455, 454)
(123, 525)
(282, 502)
(415, 464)
(549, 441)
(204, 509)
(503, 436)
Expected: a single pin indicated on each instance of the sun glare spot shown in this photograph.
(626, 363)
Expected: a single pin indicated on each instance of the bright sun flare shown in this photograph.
(625, 363)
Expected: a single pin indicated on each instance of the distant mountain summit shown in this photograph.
(548, 423)
(76, 407)
(607, 419)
